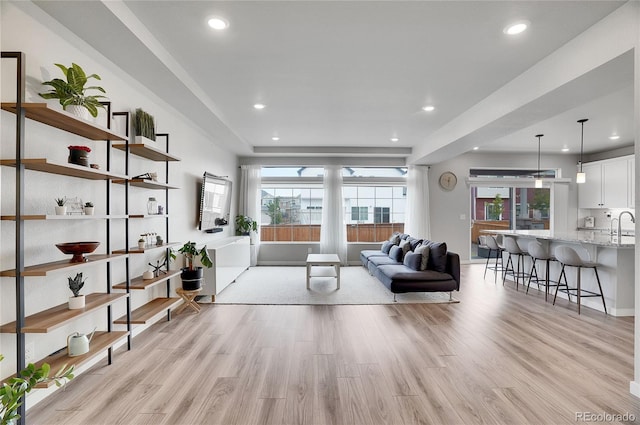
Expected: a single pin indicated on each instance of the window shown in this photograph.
(359, 213)
(385, 208)
(291, 213)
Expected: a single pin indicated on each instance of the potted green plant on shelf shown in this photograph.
(246, 226)
(72, 93)
(144, 126)
(75, 285)
(13, 391)
(88, 208)
(191, 275)
(61, 208)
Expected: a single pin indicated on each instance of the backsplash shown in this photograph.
(603, 218)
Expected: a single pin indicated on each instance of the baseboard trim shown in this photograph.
(634, 388)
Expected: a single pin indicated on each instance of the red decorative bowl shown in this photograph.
(77, 249)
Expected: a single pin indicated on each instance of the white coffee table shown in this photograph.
(328, 266)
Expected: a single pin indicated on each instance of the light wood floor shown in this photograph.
(497, 357)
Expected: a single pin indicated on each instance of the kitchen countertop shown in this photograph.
(578, 236)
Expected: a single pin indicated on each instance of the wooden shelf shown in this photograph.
(44, 269)
(47, 166)
(146, 184)
(140, 284)
(47, 320)
(148, 215)
(99, 343)
(136, 250)
(142, 315)
(64, 121)
(63, 217)
(145, 150)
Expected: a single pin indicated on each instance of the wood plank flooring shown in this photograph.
(497, 357)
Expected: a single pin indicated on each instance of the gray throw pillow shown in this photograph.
(423, 250)
(394, 239)
(395, 253)
(386, 247)
(406, 247)
(412, 260)
(438, 256)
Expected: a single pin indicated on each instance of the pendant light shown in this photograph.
(538, 176)
(581, 177)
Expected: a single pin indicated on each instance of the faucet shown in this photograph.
(611, 231)
(633, 220)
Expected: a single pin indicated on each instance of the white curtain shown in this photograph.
(417, 219)
(249, 196)
(333, 233)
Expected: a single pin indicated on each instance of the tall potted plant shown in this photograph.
(192, 276)
(72, 93)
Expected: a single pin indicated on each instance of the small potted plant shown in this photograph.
(246, 226)
(88, 208)
(72, 93)
(76, 284)
(192, 276)
(61, 208)
(144, 126)
(14, 390)
(141, 242)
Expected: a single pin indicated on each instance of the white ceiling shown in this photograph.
(353, 74)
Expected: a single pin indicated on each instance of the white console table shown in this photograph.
(231, 257)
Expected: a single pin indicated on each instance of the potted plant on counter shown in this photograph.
(246, 226)
(13, 391)
(76, 284)
(192, 276)
(72, 93)
(88, 208)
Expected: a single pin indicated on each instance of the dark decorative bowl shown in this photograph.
(77, 249)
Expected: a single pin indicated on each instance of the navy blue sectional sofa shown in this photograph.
(407, 264)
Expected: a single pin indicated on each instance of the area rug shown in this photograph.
(287, 286)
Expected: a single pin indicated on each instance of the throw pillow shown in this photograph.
(423, 250)
(438, 256)
(395, 239)
(414, 243)
(404, 236)
(386, 247)
(412, 260)
(395, 253)
(406, 247)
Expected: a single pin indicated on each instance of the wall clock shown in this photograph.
(448, 180)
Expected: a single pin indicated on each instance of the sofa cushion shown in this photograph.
(423, 250)
(412, 260)
(414, 243)
(368, 253)
(400, 278)
(395, 239)
(404, 236)
(386, 247)
(437, 256)
(395, 253)
(406, 247)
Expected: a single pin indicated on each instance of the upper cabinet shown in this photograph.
(608, 184)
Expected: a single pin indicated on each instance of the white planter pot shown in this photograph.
(88, 210)
(61, 210)
(79, 111)
(147, 275)
(76, 303)
(142, 139)
(141, 245)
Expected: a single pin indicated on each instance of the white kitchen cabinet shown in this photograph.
(607, 185)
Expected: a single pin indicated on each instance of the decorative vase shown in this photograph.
(76, 303)
(88, 210)
(79, 111)
(61, 210)
(147, 275)
(78, 157)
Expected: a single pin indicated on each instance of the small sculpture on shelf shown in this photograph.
(88, 208)
(159, 241)
(157, 269)
(79, 155)
(61, 208)
(75, 285)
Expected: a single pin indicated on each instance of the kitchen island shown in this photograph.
(614, 256)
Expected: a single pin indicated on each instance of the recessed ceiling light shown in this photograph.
(218, 23)
(275, 138)
(428, 108)
(394, 139)
(475, 148)
(516, 28)
(565, 149)
(259, 106)
(614, 137)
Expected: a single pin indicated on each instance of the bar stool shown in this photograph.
(567, 256)
(512, 247)
(538, 252)
(492, 246)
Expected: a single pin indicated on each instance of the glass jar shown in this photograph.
(152, 206)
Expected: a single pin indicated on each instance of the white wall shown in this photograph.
(448, 208)
(45, 42)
